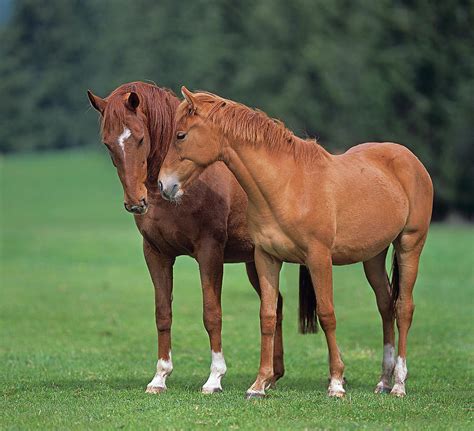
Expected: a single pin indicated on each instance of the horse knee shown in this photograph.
(212, 321)
(163, 324)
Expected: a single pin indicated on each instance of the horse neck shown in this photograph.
(160, 130)
(264, 173)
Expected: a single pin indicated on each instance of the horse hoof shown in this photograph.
(398, 391)
(155, 389)
(382, 389)
(251, 395)
(207, 391)
(336, 394)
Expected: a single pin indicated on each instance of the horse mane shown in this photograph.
(159, 106)
(255, 127)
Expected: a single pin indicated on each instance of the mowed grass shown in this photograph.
(78, 341)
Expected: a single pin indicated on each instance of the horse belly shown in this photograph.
(363, 233)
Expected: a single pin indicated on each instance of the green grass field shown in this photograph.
(78, 342)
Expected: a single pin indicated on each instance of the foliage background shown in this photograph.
(345, 71)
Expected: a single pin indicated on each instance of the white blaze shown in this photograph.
(123, 137)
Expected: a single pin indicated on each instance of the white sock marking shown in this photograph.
(163, 370)
(388, 363)
(401, 371)
(218, 369)
(336, 386)
(123, 137)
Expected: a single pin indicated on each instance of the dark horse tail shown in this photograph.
(308, 321)
(395, 280)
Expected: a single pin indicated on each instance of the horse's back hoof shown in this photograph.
(155, 389)
(252, 395)
(382, 389)
(398, 390)
(336, 394)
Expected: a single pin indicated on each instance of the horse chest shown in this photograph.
(165, 235)
(276, 243)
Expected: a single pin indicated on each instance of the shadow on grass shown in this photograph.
(185, 383)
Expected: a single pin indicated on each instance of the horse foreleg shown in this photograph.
(278, 363)
(211, 264)
(268, 269)
(161, 272)
(319, 263)
(378, 279)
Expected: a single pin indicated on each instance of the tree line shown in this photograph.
(343, 71)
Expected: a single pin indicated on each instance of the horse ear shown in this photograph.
(189, 97)
(132, 101)
(97, 102)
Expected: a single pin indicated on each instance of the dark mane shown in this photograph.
(255, 127)
(159, 106)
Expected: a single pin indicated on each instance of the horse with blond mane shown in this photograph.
(310, 207)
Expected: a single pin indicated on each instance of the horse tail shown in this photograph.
(395, 280)
(308, 321)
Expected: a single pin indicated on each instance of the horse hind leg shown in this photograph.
(378, 279)
(408, 247)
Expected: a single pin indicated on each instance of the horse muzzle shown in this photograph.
(139, 209)
(170, 190)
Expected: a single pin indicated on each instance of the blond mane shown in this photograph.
(255, 127)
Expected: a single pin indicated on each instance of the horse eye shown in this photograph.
(180, 135)
(190, 111)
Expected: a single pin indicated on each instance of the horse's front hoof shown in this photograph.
(254, 395)
(155, 389)
(398, 390)
(207, 391)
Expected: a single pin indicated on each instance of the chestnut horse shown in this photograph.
(314, 208)
(137, 127)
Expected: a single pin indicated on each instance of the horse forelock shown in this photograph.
(158, 105)
(255, 127)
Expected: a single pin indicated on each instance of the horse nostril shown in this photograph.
(160, 185)
(126, 206)
(143, 202)
(174, 190)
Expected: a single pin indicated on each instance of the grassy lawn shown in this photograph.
(77, 334)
